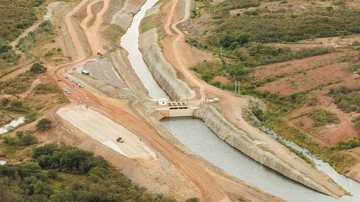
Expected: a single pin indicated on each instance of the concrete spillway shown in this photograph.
(197, 137)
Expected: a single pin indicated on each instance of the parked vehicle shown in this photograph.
(79, 84)
(85, 72)
(67, 91)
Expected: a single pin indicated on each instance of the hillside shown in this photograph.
(15, 18)
(34, 170)
(301, 57)
(61, 173)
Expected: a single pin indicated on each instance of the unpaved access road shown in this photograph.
(231, 107)
(120, 113)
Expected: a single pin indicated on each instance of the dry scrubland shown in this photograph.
(50, 172)
(60, 173)
(28, 94)
(53, 172)
(16, 17)
(301, 57)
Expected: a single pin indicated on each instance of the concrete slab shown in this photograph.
(106, 132)
(103, 70)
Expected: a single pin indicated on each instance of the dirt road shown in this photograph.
(119, 112)
(177, 37)
(231, 107)
(92, 32)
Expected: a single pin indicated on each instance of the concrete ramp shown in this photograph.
(106, 131)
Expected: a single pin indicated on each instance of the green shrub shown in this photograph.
(31, 181)
(284, 26)
(16, 104)
(52, 174)
(356, 122)
(345, 145)
(38, 68)
(16, 17)
(322, 117)
(347, 99)
(22, 138)
(67, 159)
(43, 125)
(4, 102)
(31, 116)
(28, 41)
(193, 200)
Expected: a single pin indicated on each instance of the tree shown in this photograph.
(4, 102)
(16, 104)
(38, 68)
(22, 138)
(27, 139)
(52, 174)
(43, 125)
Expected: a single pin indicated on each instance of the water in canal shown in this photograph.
(201, 140)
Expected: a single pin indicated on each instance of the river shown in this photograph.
(199, 139)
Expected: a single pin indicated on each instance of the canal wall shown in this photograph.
(124, 17)
(239, 140)
(166, 77)
(162, 71)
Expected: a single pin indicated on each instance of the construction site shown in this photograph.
(134, 100)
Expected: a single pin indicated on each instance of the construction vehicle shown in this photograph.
(119, 140)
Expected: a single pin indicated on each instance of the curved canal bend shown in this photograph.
(202, 141)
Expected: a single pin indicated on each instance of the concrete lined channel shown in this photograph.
(202, 141)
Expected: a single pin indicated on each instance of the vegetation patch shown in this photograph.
(43, 125)
(16, 16)
(290, 133)
(239, 63)
(38, 68)
(345, 145)
(281, 26)
(347, 99)
(247, 34)
(322, 117)
(20, 84)
(335, 157)
(149, 22)
(22, 138)
(243, 41)
(18, 99)
(7, 54)
(44, 28)
(46, 88)
(61, 173)
(356, 122)
(112, 33)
